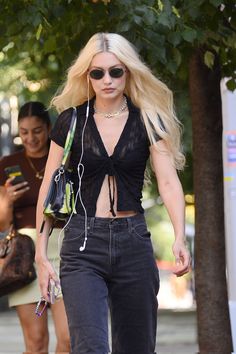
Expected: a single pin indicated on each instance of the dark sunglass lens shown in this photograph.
(116, 72)
(96, 74)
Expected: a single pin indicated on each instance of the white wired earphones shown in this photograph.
(80, 174)
(80, 171)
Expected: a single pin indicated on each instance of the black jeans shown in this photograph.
(117, 269)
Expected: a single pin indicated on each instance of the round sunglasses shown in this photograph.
(98, 74)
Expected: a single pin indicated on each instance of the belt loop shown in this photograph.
(130, 224)
(91, 223)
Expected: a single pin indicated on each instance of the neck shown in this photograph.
(37, 155)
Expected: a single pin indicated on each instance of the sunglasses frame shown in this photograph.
(103, 72)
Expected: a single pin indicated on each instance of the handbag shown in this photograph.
(59, 202)
(17, 269)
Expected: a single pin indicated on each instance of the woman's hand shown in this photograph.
(46, 272)
(182, 258)
(14, 192)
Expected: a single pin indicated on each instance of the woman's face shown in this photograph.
(34, 134)
(108, 86)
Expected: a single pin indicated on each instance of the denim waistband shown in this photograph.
(123, 222)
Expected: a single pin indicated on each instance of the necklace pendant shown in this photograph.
(38, 176)
(110, 115)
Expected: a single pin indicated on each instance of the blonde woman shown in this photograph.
(125, 115)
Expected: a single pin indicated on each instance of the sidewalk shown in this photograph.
(176, 333)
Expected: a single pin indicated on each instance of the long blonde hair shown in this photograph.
(147, 92)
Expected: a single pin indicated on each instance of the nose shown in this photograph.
(107, 78)
(31, 136)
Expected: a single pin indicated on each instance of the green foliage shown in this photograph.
(164, 31)
(42, 37)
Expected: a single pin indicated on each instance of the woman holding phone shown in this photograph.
(21, 174)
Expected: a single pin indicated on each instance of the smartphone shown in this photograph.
(15, 171)
(54, 291)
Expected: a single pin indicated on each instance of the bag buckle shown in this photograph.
(60, 172)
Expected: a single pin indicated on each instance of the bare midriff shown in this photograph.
(103, 203)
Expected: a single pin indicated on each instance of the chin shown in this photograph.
(112, 94)
(35, 151)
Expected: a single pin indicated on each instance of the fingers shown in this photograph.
(21, 186)
(182, 258)
(181, 270)
(49, 289)
(183, 263)
(16, 191)
(47, 277)
(9, 182)
(10, 186)
(44, 290)
(54, 290)
(21, 189)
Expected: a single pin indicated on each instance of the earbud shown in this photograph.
(82, 248)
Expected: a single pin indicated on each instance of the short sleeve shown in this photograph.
(61, 127)
(162, 127)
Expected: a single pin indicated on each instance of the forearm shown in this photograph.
(173, 198)
(42, 232)
(6, 210)
(6, 218)
(53, 162)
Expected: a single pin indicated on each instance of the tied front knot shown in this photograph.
(110, 167)
(111, 184)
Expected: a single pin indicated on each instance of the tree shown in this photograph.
(209, 217)
(188, 44)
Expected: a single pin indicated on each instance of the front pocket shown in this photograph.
(73, 233)
(141, 231)
(73, 240)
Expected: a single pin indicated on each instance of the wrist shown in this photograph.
(181, 239)
(40, 257)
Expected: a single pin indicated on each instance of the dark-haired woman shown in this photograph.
(34, 127)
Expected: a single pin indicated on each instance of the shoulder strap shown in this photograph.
(70, 136)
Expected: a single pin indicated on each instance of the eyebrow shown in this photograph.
(25, 129)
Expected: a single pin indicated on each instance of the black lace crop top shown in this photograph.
(127, 163)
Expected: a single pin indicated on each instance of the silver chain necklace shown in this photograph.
(112, 114)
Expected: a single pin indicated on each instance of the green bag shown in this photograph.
(59, 203)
